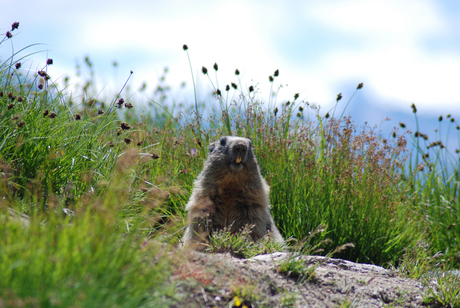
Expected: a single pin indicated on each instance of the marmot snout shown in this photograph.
(230, 192)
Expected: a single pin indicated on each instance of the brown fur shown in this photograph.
(230, 194)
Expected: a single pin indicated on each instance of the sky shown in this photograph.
(403, 51)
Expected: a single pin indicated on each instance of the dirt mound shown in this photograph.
(213, 280)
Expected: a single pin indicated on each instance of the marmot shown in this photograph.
(230, 192)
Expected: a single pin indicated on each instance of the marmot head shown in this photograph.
(235, 153)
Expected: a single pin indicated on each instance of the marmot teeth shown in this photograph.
(238, 159)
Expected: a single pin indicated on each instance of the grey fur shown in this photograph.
(229, 192)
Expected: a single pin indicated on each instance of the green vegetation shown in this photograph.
(104, 188)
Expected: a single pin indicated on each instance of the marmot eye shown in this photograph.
(223, 141)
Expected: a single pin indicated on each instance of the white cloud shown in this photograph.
(382, 43)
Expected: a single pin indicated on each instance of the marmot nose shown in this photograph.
(240, 148)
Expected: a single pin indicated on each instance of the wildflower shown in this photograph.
(237, 72)
(52, 115)
(14, 26)
(21, 124)
(129, 105)
(46, 112)
(18, 65)
(270, 78)
(234, 86)
(49, 61)
(403, 125)
(125, 126)
(339, 97)
(276, 73)
(204, 70)
(155, 156)
(8, 34)
(77, 116)
(414, 109)
(251, 89)
(127, 140)
(215, 67)
(359, 86)
(193, 152)
(185, 47)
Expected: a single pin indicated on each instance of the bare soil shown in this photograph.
(213, 280)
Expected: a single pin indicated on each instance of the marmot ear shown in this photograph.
(211, 147)
(223, 141)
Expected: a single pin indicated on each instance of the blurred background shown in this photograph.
(405, 52)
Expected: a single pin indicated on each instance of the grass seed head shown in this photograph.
(237, 72)
(49, 61)
(270, 78)
(125, 126)
(129, 105)
(77, 116)
(52, 115)
(14, 26)
(18, 65)
(46, 112)
(204, 70)
(100, 111)
(414, 109)
(339, 97)
(127, 140)
(185, 47)
(215, 66)
(8, 34)
(359, 86)
(234, 86)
